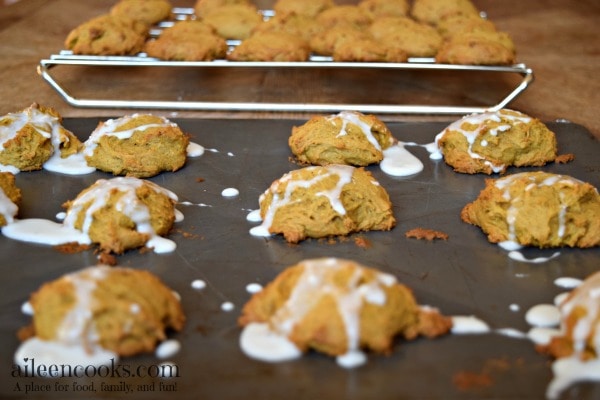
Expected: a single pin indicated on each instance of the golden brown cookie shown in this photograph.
(32, 135)
(579, 322)
(271, 46)
(203, 7)
(537, 209)
(10, 198)
(378, 8)
(478, 47)
(433, 11)
(490, 142)
(123, 310)
(455, 24)
(415, 38)
(339, 307)
(149, 12)
(346, 14)
(140, 145)
(368, 50)
(325, 41)
(309, 8)
(349, 137)
(296, 24)
(188, 41)
(234, 21)
(108, 35)
(122, 213)
(317, 202)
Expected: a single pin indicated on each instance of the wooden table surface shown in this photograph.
(558, 39)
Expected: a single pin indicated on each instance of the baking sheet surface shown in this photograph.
(464, 275)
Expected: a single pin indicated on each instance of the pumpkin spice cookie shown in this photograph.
(349, 137)
(379, 8)
(309, 8)
(140, 145)
(415, 38)
(337, 307)
(490, 142)
(188, 41)
(508, 209)
(319, 202)
(235, 21)
(477, 47)
(108, 35)
(121, 310)
(271, 46)
(433, 11)
(149, 12)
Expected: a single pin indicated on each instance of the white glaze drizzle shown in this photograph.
(8, 209)
(480, 120)
(344, 174)
(353, 117)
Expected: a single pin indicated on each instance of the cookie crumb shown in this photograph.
(564, 158)
(427, 234)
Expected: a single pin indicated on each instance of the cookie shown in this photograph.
(319, 202)
(122, 213)
(140, 145)
(415, 38)
(477, 47)
(108, 35)
(433, 11)
(271, 46)
(123, 310)
(337, 307)
(490, 142)
(29, 137)
(309, 8)
(510, 209)
(378, 8)
(350, 138)
(188, 41)
(235, 21)
(149, 12)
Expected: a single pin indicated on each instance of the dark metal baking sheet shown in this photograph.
(464, 275)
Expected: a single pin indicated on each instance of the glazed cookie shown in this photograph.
(378, 8)
(579, 323)
(309, 8)
(317, 202)
(140, 145)
(337, 307)
(10, 198)
(30, 137)
(490, 142)
(122, 310)
(234, 21)
(349, 137)
(108, 35)
(509, 209)
(123, 213)
(149, 12)
(478, 47)
(271, 46)
(188, 41)
(433, 11)
(415, 38)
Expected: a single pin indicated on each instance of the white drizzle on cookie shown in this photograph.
(8, 209)
(477, 123)
(48, 232)
(268, 341)
(343, 172)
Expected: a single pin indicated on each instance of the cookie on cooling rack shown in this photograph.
(203, 7)
(309, 8)
(433, 11)
(108, 35)
(235, 21)
(415, 38)
(343, 15)
(379, 8)
(190, 40)
(271, 46)
(149, 12)
(478, 47)
(300, 25)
